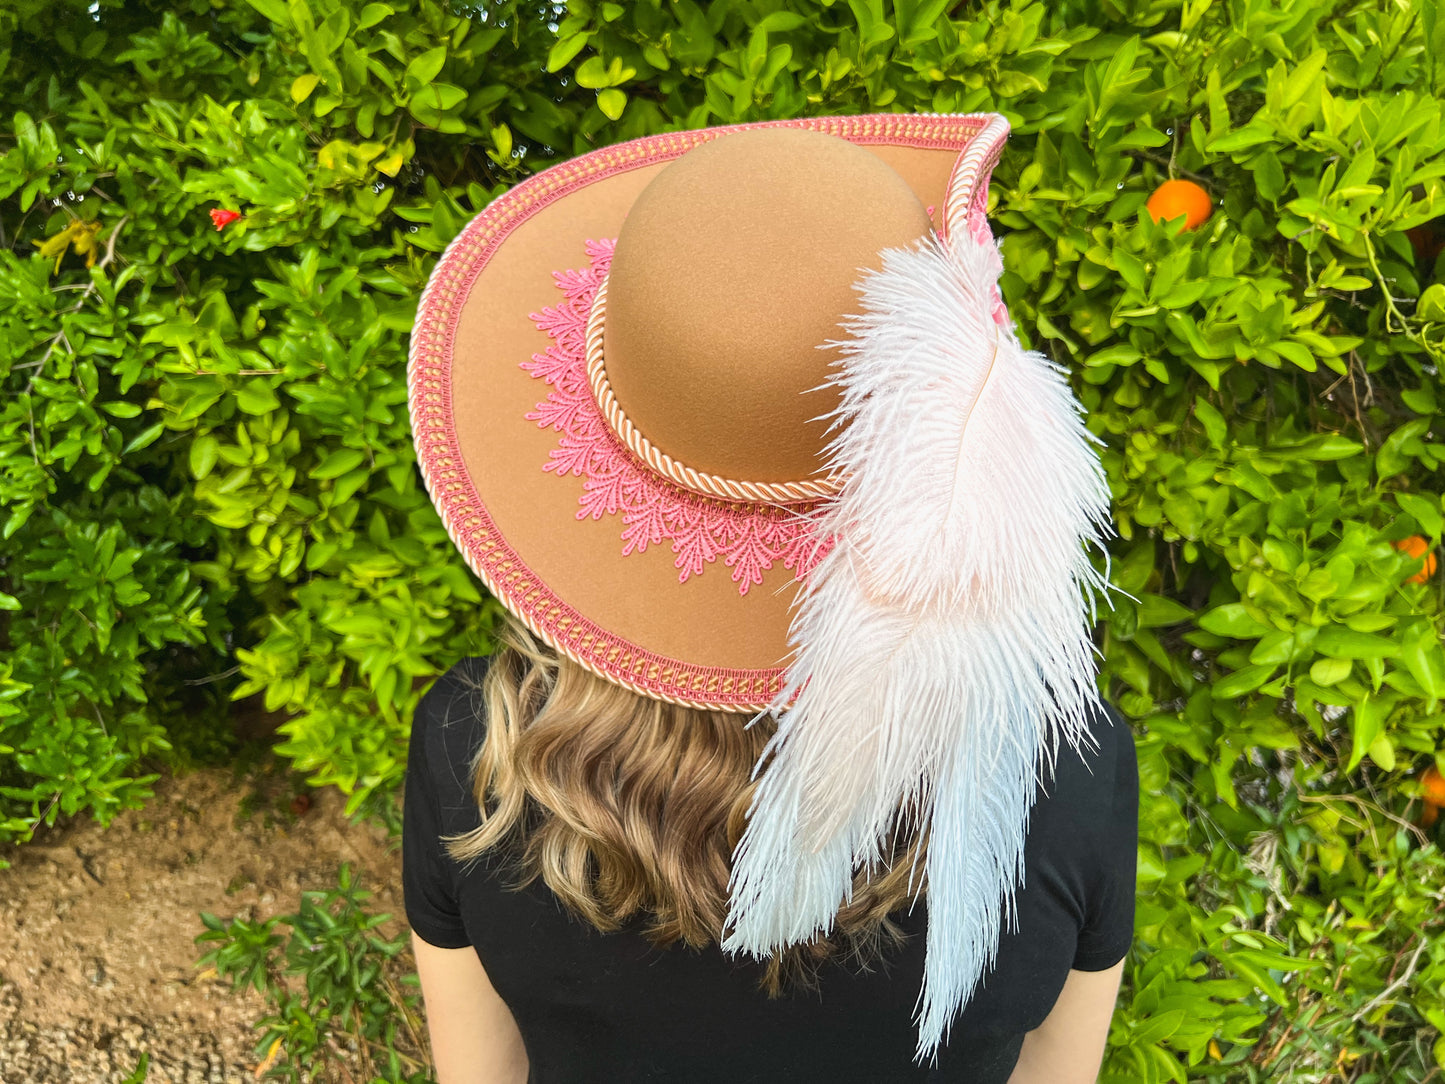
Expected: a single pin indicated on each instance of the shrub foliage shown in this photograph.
(207, 488)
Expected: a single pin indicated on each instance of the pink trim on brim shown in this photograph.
(463, 513)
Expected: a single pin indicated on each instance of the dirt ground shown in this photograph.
(97, 957)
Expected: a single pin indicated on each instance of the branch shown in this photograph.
(39, 366)
(105, 262)
(1388, 990)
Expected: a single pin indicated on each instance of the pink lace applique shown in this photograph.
(750, 538)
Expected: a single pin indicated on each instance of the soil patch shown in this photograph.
(97, 927)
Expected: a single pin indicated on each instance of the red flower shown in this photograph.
(222, 219)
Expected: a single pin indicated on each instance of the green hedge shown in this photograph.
(207, 488)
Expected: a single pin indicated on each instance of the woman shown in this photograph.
(835, 774)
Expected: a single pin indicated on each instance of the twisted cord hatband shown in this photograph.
(709, 485)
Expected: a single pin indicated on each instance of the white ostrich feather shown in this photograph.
(941, 648)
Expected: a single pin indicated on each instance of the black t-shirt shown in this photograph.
(612, 1008)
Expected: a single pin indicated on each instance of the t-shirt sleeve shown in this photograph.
(429, 875)
(1109, 915)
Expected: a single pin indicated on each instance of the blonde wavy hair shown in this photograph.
(628, 807)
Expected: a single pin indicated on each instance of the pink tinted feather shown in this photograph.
(941, 646)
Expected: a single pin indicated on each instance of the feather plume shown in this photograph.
(941, 647)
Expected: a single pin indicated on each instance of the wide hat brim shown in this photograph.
(627, 616)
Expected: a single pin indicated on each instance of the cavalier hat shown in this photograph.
(736, 418)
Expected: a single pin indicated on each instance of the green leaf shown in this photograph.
(275, 10)
(1158, 1027)
(1269, 175)
(1296, 353)
(1339, 642)
(780, 21)
(1330, 671)
(1215, 427)
(592, 73)
(256, 397)
(1382, 752)
(1185, 513)
(303, 85)
(1368, 723)
(1431, 306)
(612, 102)
(144, 438)
(1242, 681)
(1274, 649)
(1232, 619)
(347, 484)
(1238, 140)
(1421, 400)
(1423, 510)
(440, 96)
(1245, 965)
(141, 1071)
(16, 520)
(502, 139)
(1401, 448)
(424, 68)
(1156, 611)
(373, 14)
(204, 451)
(565, 49)
(1329, 446)
(1422, 655)
(318, 553)
(338, 463)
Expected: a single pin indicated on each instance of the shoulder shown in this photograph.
(1101, 774)
(444, 697)
(453, 693)
(447, 730)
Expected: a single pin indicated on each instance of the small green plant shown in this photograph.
(342, 999)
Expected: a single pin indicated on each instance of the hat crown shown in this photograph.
(733, 269)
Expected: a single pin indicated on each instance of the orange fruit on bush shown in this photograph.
(1415, 546)
(1174, 198)
(1432, 786)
